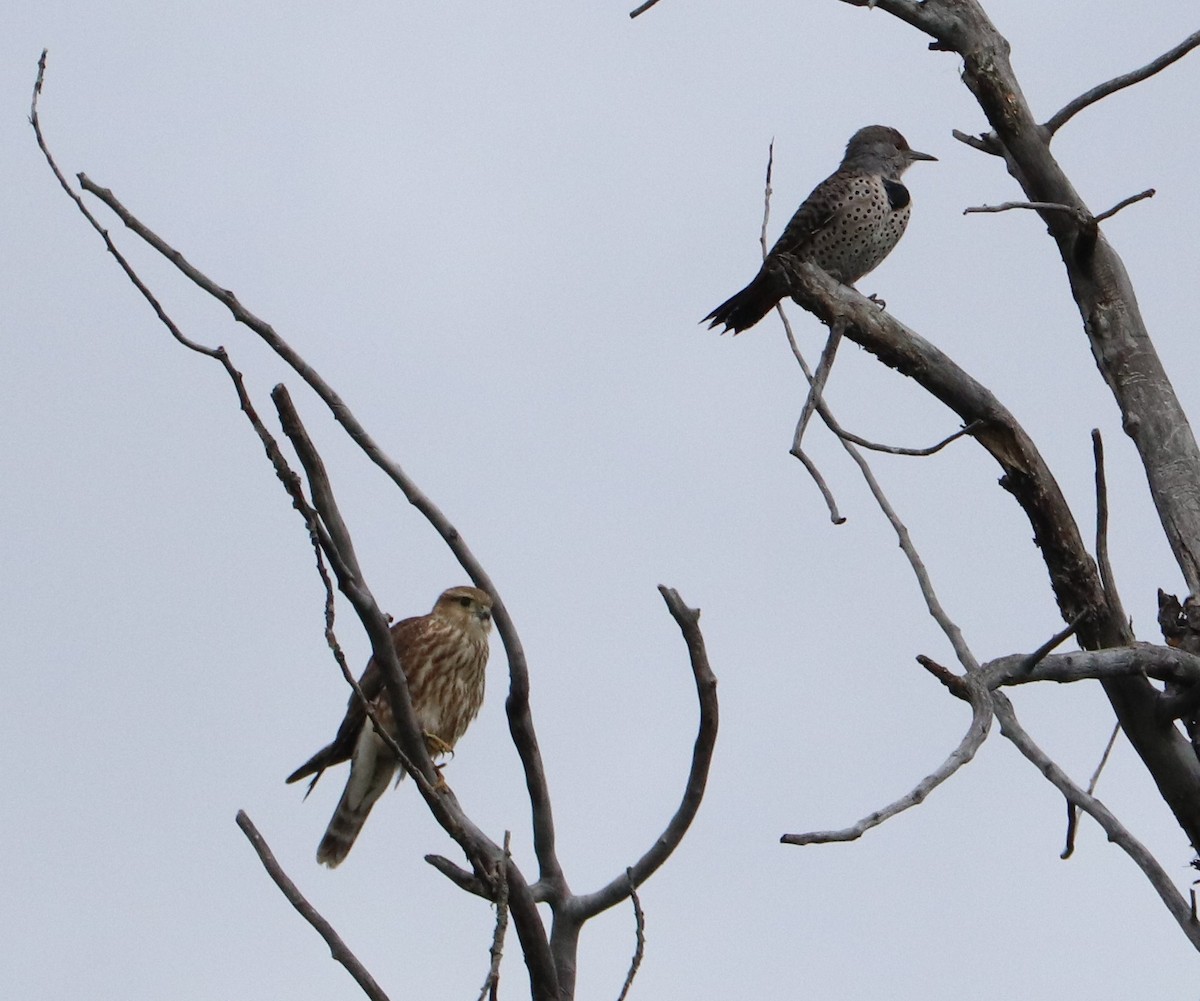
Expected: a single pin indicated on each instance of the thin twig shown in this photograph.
(956, 684)
(830, 501)
(835, 515)
(874, 446)
(832, 423)
(35, 121)
(1113, 828)
(1072, 809)
(1054, 641)
(1124, 203)
(337, 948)
(981, 713)
(643, 8)
(948, 626)
(767, 192)
(460, 877)
(491, 985)
(1101, 91)
(639, 950)
(1081, 217)
(814, 393)
(986, 143)
(283, 471)
(1088, 222)
(981, 721)
(816, 388)
(1108, 579)
(1112, 740)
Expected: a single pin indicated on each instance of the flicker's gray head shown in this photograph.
(881, 150)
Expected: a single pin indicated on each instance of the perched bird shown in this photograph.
(846, 227)
(443, 656)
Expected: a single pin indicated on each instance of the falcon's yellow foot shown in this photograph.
(437, 746)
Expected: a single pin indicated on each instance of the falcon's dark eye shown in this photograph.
(465, 602)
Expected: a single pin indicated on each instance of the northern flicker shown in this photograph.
(846, 227)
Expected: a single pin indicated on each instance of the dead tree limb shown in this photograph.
(337, 948)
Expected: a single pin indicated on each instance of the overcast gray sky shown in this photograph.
(494, 227)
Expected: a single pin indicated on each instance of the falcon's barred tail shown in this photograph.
(747, 307)
(370, 773)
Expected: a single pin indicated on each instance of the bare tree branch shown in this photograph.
(688, 620)
(491, 984)
(460, 877)
(1108, 748)
(956, 684)
(287, 477)
(806, 460)
(1056, 640)
(1081, 217)
(517, 705)
(1072, 809)
(985, 143)
(1107, 578)
(1116, 832)
(981, 721)
(1124, 203)
(816, 388)
(1086, 221)
(767, 192)
(337, 948)
(948, 626)
(339, 548)
(922, 452)
(1101, 91)
(643, 8)
(444, 805)
(1073, 574)
(1151, 412)
(1140, 660)
(835, 515)
(830, 501)
(639, 920)
(832, 423)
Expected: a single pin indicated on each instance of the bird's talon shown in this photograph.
(437, 746)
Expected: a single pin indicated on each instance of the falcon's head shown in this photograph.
(467, 607)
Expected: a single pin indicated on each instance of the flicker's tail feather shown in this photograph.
(747, 307)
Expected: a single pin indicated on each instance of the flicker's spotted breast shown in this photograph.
(866, 220)
(847, 226)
